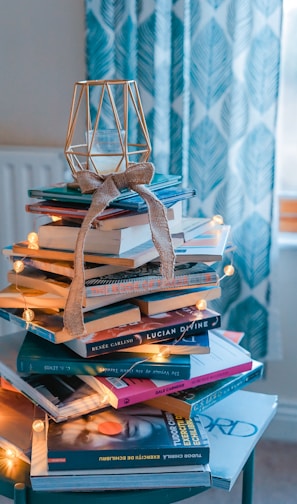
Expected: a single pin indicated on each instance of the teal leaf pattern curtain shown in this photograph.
(208, 74)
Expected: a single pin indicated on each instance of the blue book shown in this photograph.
(39, 356)
(193, 401)
(135, 437)
(234, 426)
(62, 191)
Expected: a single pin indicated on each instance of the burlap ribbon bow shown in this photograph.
(104, 191)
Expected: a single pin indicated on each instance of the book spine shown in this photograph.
(119, 397)
(148, 336)
(149, 457)
(138, 368)
(98, 287)
(185, 405)
(228, 389)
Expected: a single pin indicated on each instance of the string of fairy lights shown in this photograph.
(28, 315)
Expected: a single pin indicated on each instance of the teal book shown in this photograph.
(135, 437)
(234, 426)
(39, 356)
(194, 401)
(62, 192)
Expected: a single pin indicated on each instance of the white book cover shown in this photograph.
(234, 426)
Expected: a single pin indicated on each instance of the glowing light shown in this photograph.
(229, 270)
(162, 355)
(201, 304)
(18, 266)
(33, 240)
(28, 315)
(38, 425)
(218, 219)
(10, 454)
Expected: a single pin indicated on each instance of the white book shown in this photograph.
(234, 426)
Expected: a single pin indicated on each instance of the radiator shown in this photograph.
(22, 168)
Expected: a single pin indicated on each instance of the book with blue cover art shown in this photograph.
(234, 426)
(135, 437)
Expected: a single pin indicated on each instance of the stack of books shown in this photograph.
(126, 398)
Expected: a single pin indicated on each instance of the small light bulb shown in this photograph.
(18, 266)
(201, 304)
(28, 315)
(38, 425)
(33, 240)
(229, 270)
(10, 454)
(218, 219)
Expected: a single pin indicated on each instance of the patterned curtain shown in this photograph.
(208, 74)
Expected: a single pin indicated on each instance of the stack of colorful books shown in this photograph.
(125, 399)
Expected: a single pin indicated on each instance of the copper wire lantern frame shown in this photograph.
(73, 153)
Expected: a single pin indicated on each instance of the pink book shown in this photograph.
(225, 359)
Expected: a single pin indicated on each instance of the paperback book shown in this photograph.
(37, 355)
(196, 250)
(191, 402)
(62, 235)
(62, 397)
(63, 268)
(145, 278)
(225, 359)
(131, 259)
(135, 437)
(17, 411)
(234, 426)
(158, 302)
(174, 324)
(49, 324)
(187, 345)
(63, 192)
(110, 218)
(147, 478)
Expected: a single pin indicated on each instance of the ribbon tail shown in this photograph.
(160, 231)
(73, 315)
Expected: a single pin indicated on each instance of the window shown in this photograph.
(287, 121)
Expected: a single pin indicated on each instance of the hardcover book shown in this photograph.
(234, 426)
(145, 278)
(135, 437)
(62, 397)
(158, 302)
(225, 359)
(194, 401)
(37, 355)
(49, 324)
(174, 324)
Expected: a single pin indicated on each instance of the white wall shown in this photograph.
(42, 55)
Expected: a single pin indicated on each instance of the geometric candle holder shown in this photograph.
(107, 128)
